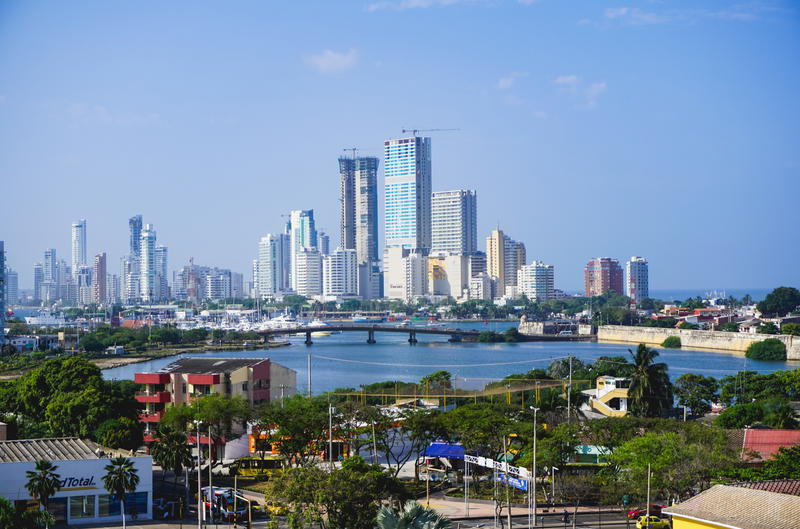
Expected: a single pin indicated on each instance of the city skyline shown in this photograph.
(573, 133)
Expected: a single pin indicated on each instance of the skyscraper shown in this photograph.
(637, 285)
(38, 279)
(340, 273)
(407, 171)
(148, 286)
(601, 275)
(308, 272)
(50, 265)
(78, 245)
(99, 286)
(270, 272)
(504, 257)
(454, 224)
(131, 266)
(537, 281)
(358, 196)
(162, 279)
(12, 287)
(324, 243)
(303, 234)
(2, 292)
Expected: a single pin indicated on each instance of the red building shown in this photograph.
(601, 275)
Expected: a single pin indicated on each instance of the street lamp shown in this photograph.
(199, 484)
(533, 469)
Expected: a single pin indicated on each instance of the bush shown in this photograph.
(791, 328)
(512, 335)
(672, 342)
(769, 349)
(688, 326)
(490, 337)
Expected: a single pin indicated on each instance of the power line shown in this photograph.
(438, 365)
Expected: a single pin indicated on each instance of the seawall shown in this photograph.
(719, 340)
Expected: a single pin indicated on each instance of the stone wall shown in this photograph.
(722, 341)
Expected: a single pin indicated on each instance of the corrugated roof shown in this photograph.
(54, 449)
(209, 366)
(767, 442)
(743, 508)
(782, 486)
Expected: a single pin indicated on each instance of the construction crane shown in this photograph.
(414, 131)
(353, 150)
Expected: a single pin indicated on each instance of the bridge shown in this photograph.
(456, 335)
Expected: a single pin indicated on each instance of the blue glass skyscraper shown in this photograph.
(407, 172)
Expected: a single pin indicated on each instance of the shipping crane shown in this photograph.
(414, 131)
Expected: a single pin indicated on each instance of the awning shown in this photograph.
(445, 450)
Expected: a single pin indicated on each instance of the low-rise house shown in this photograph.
(610, 396)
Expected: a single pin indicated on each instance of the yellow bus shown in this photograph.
(269, 465)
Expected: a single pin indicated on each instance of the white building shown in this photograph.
(405, 274)
(537, 281)
(370, 280)
(308, 272)
(454, 222)
(82, 498)
(162, 275)
(504, 257)
(482, 286)
(218, 286)
(448, 275)
(78, 245)
(340, 273)
(12, 287)
(637, 285)
(149, 289)
(302, 235)
(269, 270)
(407, 187)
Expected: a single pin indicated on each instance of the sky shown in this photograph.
(666, 129)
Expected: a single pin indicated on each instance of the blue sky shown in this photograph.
(668, 129)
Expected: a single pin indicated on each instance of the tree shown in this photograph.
(171, 452)
(730, 326)
(120, 433)
(767, 328)
(438, 380)
(779, 302)
(121, 477)
(688, 326)
(791, 328)
(21, 518)
(770, 349)
(296, 427)
(650, 392)
(43, 482)
(672, 342)
(696, 392)
(412, 516)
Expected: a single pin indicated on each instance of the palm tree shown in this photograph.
(121, 477)
(650, 393)
(15, 517)
(172, 452)
(412, 516)
(43, 482)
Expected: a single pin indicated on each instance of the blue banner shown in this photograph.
(517, 483)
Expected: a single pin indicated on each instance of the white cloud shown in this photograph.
(400, 5)
(527, 2)
(616, 12)
(504, 83)
(567, 82)
(332, 62)
(593, 92)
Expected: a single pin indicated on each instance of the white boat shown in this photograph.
(359, 318)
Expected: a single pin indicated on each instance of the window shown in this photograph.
(109, 505)
(81, 507)
(184, 388)
(244, 386)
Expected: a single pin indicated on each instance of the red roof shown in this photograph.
(766, 442)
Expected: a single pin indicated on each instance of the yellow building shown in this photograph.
(610, 396)
(728, 507)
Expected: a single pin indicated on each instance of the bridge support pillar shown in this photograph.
(454, 338)
(308, 338)
(371, 336)
(412, 337)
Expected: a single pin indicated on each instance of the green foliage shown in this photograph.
(661, 323)
(791, 328)
(171, 451)
(120, 433)
(688, 326)
(436, 380)
(490, 337)
(120, 477)
(512, 335)
(411, 516)
(779, 302)
(43, 482)
(694, 303)
(696, 392)
(747, 386)
(774, 412)
(672, 342)
(730, 326)
(349, 496)
(650, 392)
(770, 349)
(20, 518)
(297, 426)
(767, 328)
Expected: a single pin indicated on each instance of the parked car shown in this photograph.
(654, 522)
(636, 513)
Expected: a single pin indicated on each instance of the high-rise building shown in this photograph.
(113, 288)
(12, 287)
(38, 279)
(303, 234)
(537, 281)
(358, 195)
(637, 285)
(132, 264)
(50, 265)
(148, 286)
(324, 243)
(78, 245)
(504, 257)
(482, 286)
(100, 286)
(340, 273)
(82, 279)
(162, 277)
(601, 275)
(406, 273)
(407, 185)
(135, 225)
(448, 274)
(308, 272)
(370, 281)
(2, 292)
(454, 224)
(270, 273)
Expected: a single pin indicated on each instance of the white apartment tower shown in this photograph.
(308, 272)
(148, 284)
(454, 222)
(537, 281)
(269, 269)
(78, 245)
(340, 273)
(407, 185)
(637, 285)
(302, 235)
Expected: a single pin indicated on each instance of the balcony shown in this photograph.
(149, 437)
(203, 380)
(155, 397)
(151, 378)
(151, 416)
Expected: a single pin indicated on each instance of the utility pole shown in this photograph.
(533, 467)
(505, 464)
(569, 393)
(309, 373)
(330, 434)
(200, 509)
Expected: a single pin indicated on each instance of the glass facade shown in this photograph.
(407, 171)
(81, 507)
